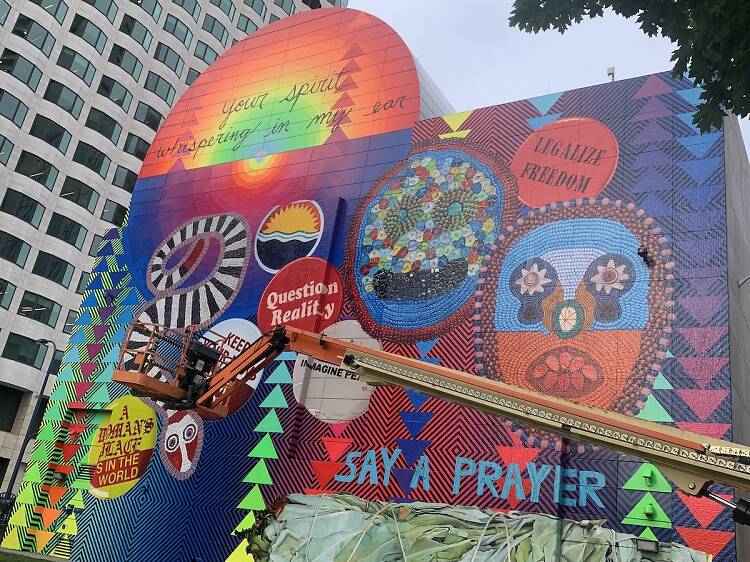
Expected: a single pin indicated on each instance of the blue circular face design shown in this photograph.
(420, 237)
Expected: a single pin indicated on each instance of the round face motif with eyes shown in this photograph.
(181, 443)
(420, 236)
(569, 308)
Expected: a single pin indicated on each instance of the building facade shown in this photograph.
(86, 84)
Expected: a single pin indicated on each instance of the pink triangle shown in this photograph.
(702, 369)
(100, 330)
(339, 428)
(517, 455)
(717, 430)
(652, 109)
(354, 51)
(703, 339)
(336, 446)
(337, 136)
(351, 66)
(94, 349)
(653, 86)
(702, 402)
(704, 540)
(702, 308)
(348, 84)
(88, 368)
(105, 312)
(81, 388)
(344, 101)
(705, 510)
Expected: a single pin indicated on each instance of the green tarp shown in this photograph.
(342, 528)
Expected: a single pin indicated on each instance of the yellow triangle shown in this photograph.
(69, 526)
(42, 538)
(11, 540)
(456, 134)
(19, 516)
(455, 120)
(240, 553)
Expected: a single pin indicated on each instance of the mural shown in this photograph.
(572, 243)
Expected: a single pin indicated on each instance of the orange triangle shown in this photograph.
(325, 470)
(54, 493)
(339, 428)
(513, 502)
(42, 538)
(69, 450)
(705, 510)
(517, 455)
(48, 514)
(712, 542)
(336, 446)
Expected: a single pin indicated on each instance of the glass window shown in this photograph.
(38, 169)
(53, 268)
(259, 6)
(174, 26)
(93, 158)
(126, 60)
(12, 108)
(13, 249)
(39, 308)
(136, 146)
(16, 65)
(6, 147)
(57, 8)
(7, 290)
(79, 193)
(50, 132)
(4, 11)
(89, 32)
(114, 212)
(53, 368)
(136, 30)
(96, 243)
(34, 33)
(24, 350)
(151, 7)
(64, 97)
(204, 52)
(113, 90)
(169, 57)
(214, 27)
(106, 7)
(273, 18)
(83, 282)
(104, 125)
(148, 116)
(191, 76)
(226, 6)
(77, 64)
(67, 230)
(246, 24)
(70, 322)
(23, 207)
(191, 7)
(160, 87)
(286, 5)
(125, 179)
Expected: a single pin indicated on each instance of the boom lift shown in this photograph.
(191, 370)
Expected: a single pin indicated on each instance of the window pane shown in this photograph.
(106, 7)
(104, 125)
(191, 76)
(6, 147)
(125, 179)
(12, 108)
(92, 158)
(10, 402)
(148, 115)
(226, 6)
(39, 308)
(174, 26)
(169, 57)
(96, 243)
(160, 87)
(53, 268)
(83, 282)
(51, 132)
(206, 53)
(113, 90)
(24, 350)
(126, 60)
(70, 322)
(136, 30)
(79, 193)
(67, 230)
(13, 249)
(57, 8)
(4, 11)
(246, 24)
(191, 7)
(18, 66)
(23, 207)
(114, 212)
(38, 169)
(89, 32)
(34, 33)
(151, 7)
(259, 6)
(214, 27)
(286, 5)
(136, 146)
(77, 64)
(7, 290)
(64, 97)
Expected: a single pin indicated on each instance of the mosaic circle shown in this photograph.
(420, 237)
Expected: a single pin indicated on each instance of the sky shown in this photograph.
(478, 60)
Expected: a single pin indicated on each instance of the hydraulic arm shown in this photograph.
(187, 371)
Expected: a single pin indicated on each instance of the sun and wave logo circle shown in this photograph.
(288, 232)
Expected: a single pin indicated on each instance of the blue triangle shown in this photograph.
(692, 96)
(699, 145)
(430, 360)
(687, 118)
(539, 122)
(106, 249)
(651, 157)
(90, 301)
(287, 356)
(700, 170)
(113, 356)
(72, 355)
(125, 317)
(403, 477)
(544, 103)
(700, 196)
(424, 347)
(412, 449)
(669, 355)
(656, 207)
(65, 374)
(84, 318)
(77, 337)
(101, 265)
(131, 298)
(415, 421)
(112, 234)
(280, 375)
(117, 277)
(95, 282)
(651, 180)
(416, 398)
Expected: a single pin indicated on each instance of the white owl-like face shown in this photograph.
(182, 440)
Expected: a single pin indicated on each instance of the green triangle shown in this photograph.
(19, 517)
(77, 500)
(53, 413)
(280, 375)
(39, 453)
(269, 424)
(80, 484)
(253, 500)
(240, 554)
(648, 534)
(264, 449)
(648, 479)
(60, 393)
(32, 474)
(47, 433)
(654, 411)
(648, 513)
(26, 495)
(275, 399)
(259, 474)
(100, 395)
(661, 383)
(247, 522)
